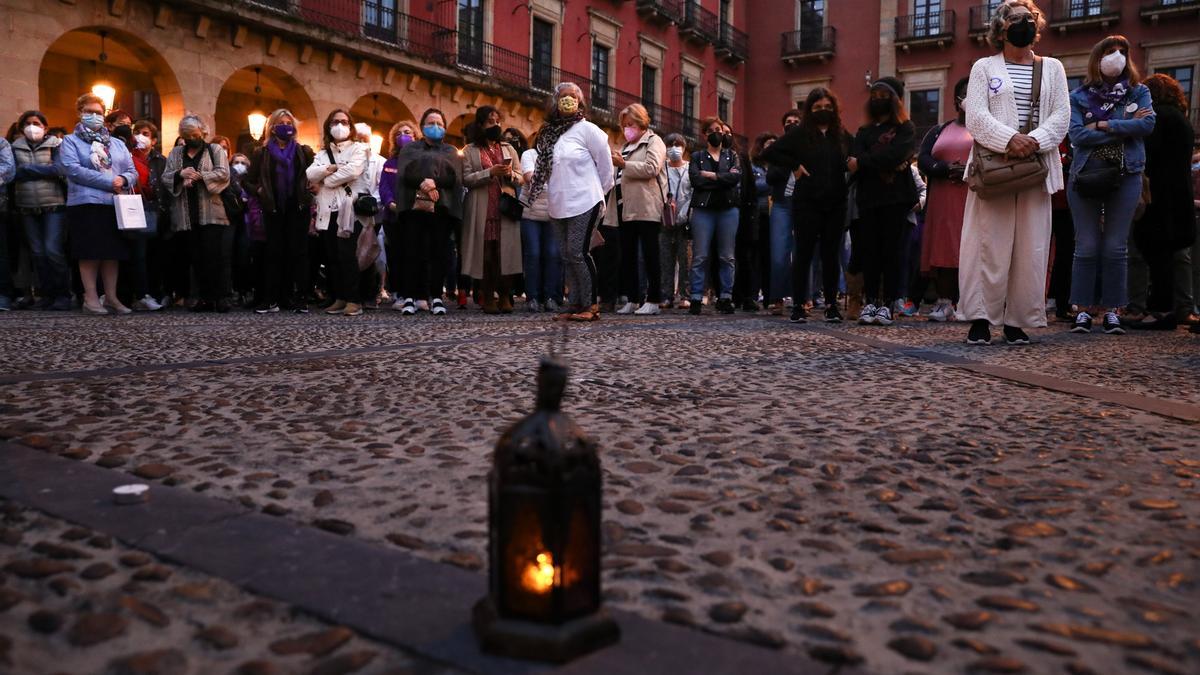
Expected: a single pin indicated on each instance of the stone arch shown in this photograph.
(381, 110)
(237, 99)
(454, 130)
(146, 84)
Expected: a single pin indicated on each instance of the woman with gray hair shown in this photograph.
(574, 166)
(195, 175)
(1017, 104)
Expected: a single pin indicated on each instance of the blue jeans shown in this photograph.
(542, 261)
(1101, 263)
(781, 246)
(46, 233)
(722, 226)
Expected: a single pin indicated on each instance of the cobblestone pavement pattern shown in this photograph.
(771, 483)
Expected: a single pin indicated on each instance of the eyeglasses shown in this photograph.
(1031, 17)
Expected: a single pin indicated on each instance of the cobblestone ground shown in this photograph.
(773, 483)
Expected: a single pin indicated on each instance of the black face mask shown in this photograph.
(493, 133)
(194, 143)
(727, 141)
(789, 126)
(879, 107)
(822, 117)
(715, 139)
(1021, 34)
(123, 131)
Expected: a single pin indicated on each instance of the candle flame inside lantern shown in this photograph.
(540, 576)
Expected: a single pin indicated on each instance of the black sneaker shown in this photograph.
(264, 308)
(1015, 336)
(799, 314)
(1112, 324)
(980, 333)
(749, 306)
(725, 306)
(696, 307)
(1083, 323)
(832, 314)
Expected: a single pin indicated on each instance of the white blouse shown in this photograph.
(583, 171)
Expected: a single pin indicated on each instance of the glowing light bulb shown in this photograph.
(540, 576)
(257, 122)
(106, 94)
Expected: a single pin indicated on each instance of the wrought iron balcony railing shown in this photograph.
(733, 44)
(699, 24)
(1064, 13)
(808, 44)
(669, 11)
(928, 27)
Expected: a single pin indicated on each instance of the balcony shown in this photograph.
(699, 25)
(1076, 14)
(808, 45)
(930, 29)
(279, 5)
(1157, 9)
(662, 11)
(733, 45)
(979, 21)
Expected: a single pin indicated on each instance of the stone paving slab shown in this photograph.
(76, 600)
(777, 485)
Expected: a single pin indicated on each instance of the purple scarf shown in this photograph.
(1104, 99)
(285, 170)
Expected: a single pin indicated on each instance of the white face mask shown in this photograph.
(1113, 64)
(35, 133)
(239, 168)
(340, 132)
(143, 141)
(674, 153)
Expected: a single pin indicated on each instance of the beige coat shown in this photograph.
(214, 174)
(643, 181)
(476, 179)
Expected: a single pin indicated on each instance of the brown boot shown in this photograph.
(506, 304)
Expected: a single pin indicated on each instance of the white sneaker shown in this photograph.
(408, 308)
(437, 308)
(422, 306)
(398, 305)
(533, 307)
(883, 316)
(147, 304)
(942, 312)
(626, 308)
(866, 316)
(551, 306)
(647, 309)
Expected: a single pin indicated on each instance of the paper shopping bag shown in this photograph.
(130, 214)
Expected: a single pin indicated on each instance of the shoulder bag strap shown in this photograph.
(333, 162)
(1035, 97)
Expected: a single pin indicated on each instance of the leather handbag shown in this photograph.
(511, 207)
(995, 174)
(1099, 182)
(669, 206)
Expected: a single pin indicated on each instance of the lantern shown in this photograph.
(106, 93)
(544, 513)
(257, 123)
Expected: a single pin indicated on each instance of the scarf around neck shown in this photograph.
(551, 131)
(99, 140)
(285, 169)
(1103, 100)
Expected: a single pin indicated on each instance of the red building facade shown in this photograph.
(930, 44)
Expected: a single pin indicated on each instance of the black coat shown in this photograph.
(720, 192)
(260, 179)
(823, 156)
(1169, 222)
(883, 177)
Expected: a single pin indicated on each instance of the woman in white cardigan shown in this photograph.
(339, 173)
(1006, 238)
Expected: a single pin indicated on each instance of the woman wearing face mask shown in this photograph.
(636, 205)
(491, 242)
(574, 168)
(879, 160)
(1168, 226)
(41, 204)
(1006, 238)
(674, 243)
(428, 200)
(402, 133)
(196, 173)
(339, 172)
(277, 180)
(759, 217)
(96, 166)
(715, 174)
(943, 160)
(249, 237)
(815, 153)
(1111, 115)
(145, 250)
(542, 261)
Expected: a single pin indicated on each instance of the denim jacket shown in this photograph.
(1120, 125)
(85, 183)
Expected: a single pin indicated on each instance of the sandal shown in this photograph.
(590, 314)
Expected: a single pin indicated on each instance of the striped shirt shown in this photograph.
(1022, 82)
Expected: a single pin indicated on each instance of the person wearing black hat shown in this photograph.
(886, 193)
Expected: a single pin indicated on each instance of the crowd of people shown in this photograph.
(1032, 192)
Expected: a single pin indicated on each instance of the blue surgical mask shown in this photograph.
(92, 121)
(433, 132)
(1196, 166)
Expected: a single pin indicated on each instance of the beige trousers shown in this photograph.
(1002, 259)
